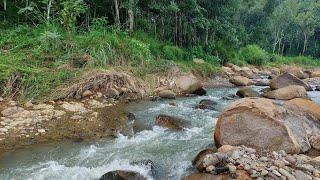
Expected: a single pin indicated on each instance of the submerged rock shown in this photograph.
(122, 175)
(287, 93)
(261, 124)
(206, 104)
(247, 92)
(172, 123)
(287, 79)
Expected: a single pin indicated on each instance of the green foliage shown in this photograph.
(254, 55)
(174, 53)
(70, 11)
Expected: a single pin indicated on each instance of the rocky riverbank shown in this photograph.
(271, 134)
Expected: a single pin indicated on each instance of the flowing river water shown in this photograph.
(171, 152)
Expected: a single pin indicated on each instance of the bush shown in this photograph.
(174, 53)
(254, 55)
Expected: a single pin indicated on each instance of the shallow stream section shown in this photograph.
(171, 152)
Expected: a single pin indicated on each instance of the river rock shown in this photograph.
(172, 123)
(315, 162)
(296, 71)
(207, 176)
(111, 93)
(287, 93)
(240, 81)
(167, 94)
(87, 93)
(206, 104)
(263, 125)
(199, 159)
(287, 79)
(315, 141)
(122, 175)
(305, 105)
(188, 84)
(315, 74)
(247, 92)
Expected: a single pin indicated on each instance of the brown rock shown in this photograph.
(242, 175)
(111, 93)
(287, 93)
(87, 93)
(315, 141)
(306, 105)
(226, 149)
(188, 84)
(315, 74)
(171, 123)
(296, 71)
(168, 94)
(122, 175)
(240, 81)
(287, 79)
(206, 176)
(263, 125)
(315, 162)
(247, 92)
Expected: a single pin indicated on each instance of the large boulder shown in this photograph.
(296, 71)
(305, 105)
(287, 79)
(188, 84)
(240, 81)
(247, 92)
(122, 175)
(261, 124)
(172, 123)
(287, 93)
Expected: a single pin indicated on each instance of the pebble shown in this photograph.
(41, 130)
(286, 174)
(276, 173)
(305, 167)
(232, 168)
(210, 169)
(303, 176)
(264, 159)
(3, 130)
(264, 172)
(1, 99)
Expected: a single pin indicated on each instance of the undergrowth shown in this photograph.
(46, 56)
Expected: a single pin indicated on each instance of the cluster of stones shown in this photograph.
(30, 119)
(275, 165)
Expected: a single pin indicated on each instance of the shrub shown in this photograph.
(254, 55)
(174, 53)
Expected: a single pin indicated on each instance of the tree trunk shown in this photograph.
(48, 10)
(305, 43)
(116, 8)
(5, 9)
(131, 16)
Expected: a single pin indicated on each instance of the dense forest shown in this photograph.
(93, 33)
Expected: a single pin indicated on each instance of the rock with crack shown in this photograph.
(264, 125)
